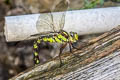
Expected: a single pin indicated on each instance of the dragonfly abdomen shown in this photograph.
(54, 39)
(50, 38)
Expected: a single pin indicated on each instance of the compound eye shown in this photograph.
(71, 34)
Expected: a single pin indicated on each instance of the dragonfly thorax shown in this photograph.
(72, 36)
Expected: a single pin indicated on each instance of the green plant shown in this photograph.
(92, 4)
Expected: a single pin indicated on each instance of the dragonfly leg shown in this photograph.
(82, 44)
(61, 49)
(75, 47)
(70, 46)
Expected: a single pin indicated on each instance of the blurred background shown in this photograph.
(16, 57)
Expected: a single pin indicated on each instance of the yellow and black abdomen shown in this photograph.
(55, 39)
(50, 38)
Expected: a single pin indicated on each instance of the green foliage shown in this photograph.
(92, 4)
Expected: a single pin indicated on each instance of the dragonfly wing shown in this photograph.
(53, 22)
(44, 23)
(63, 6)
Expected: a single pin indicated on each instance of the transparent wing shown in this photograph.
(54, 22)
(63, 6)
(44, 23)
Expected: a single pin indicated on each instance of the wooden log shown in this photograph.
(98, 60)
(81, 21)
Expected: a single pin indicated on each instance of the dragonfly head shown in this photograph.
(73, 36)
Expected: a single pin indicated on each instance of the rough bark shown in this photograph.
(99, 59)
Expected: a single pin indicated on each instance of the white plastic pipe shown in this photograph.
(81, 21)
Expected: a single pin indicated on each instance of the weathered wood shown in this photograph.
(98, 60)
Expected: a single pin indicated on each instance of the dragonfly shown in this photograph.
(46, 20)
